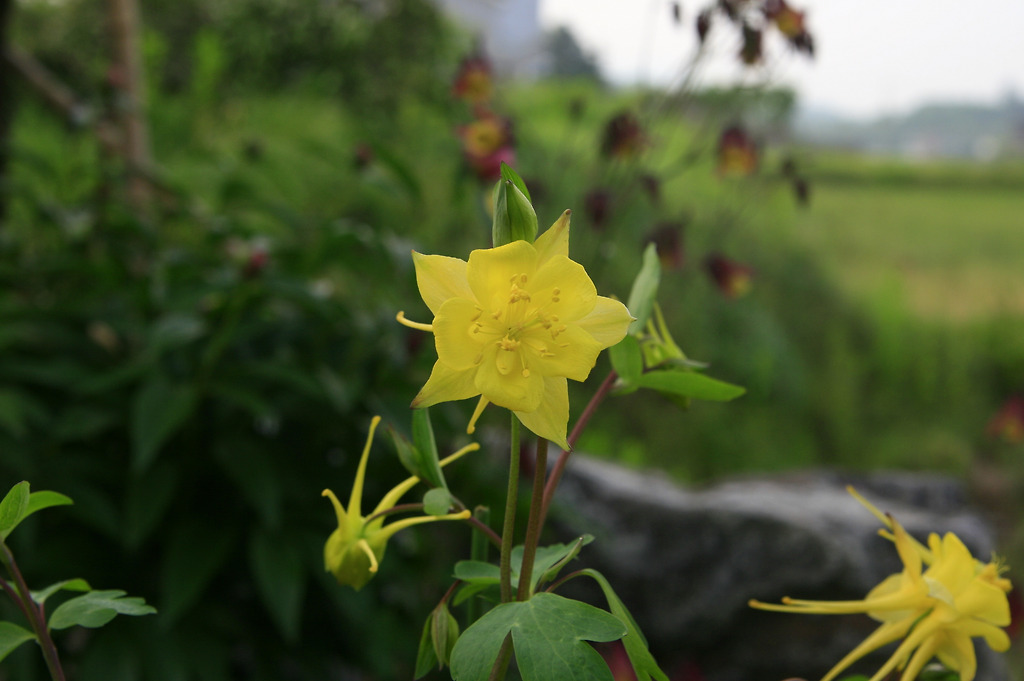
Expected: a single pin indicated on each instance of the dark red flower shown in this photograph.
(1008, 423)
(615, 657)
(732, 278)
(596, 206)
(474, 81)
(737, 152)
(363, 156)
(667, 237)
(623, 136)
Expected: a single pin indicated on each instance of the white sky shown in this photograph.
(872, 56)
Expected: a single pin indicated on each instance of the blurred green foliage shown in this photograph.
(194, 378)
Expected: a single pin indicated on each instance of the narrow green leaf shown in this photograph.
(96, 608)
(159, 410)
(407, 454)
(690, 384)
(437, 501)
(426, 657)
(67, 585)
(13, 508)
(644, 664)
(627, 359)
(550, 564)
(645, 289)
(477, 571)
(426, 447)
(549, 635)
(12, 636)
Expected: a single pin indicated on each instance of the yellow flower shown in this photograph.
(936, 611)
(512, 324)
(355, 549)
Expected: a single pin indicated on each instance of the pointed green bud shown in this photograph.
(514, 216)
(444, 632)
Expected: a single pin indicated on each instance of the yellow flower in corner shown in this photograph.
(512, 324)
(936, 611)
(354, 550)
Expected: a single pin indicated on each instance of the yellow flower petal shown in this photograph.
(511, 390)
(555, 240)
(572, 355)
(445, 385)
(957, 653)
(491, 272)
(607, 322)
(457, 346)
(550, 419)
(440, 278)
(562, 287)
(984, 601)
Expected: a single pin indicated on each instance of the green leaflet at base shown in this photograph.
(548, 636)
(12, 636)
(640, 657)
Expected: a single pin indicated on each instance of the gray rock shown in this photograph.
(686, 561)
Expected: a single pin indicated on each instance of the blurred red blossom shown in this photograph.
(703, 25)
(486, 143)
(737, 152)
(1008, 423)
(474, 81)
(790, 23)
(596, 206)
(667, 238)
(623, 137)
(732, 278)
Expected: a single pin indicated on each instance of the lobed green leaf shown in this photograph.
(549, 634)
(96, 608)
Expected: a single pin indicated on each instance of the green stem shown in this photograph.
(35, 616)
(509, 524)
(478, 551)
(536, 521)
(581, 423)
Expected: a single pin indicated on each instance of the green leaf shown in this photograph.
(551, 559)
(690, 384)
(281, 580)
(645, 289)
(437, 501)
(478, 572)
(627, 359)
(67, 585)
(444, 632)
(12, 636)
(407, 454)
(96, 608)
(159, 410)
(640, 657)
(13, 508)
(426, 657)
(426, 448)
(548, 636)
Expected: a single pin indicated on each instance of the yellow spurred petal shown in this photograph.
(957, 653)
(607, 322)
(954, 564)
(551, 419)
(883, 635)
(491, 272)
(440, 278)
(555, 240)
(457, 346)
(920, 658)
(512, 389)
(444, 385)
(355, 500)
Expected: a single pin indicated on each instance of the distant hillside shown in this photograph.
(934, 131)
